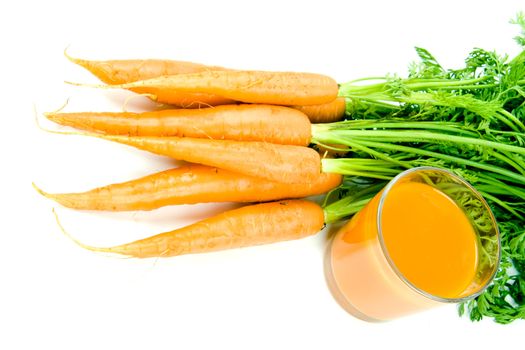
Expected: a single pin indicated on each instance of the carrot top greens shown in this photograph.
(469, 120)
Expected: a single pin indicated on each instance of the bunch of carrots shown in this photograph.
(267, 139)
(245, 136)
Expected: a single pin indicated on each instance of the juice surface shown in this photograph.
(429, 239)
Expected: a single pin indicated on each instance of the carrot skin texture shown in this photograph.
(185, 99)
(279, 88)
(274, 124)
(190, 184)
(325, 113)
(280, 163)
(117, 72)
(247, 226)
(114, 72)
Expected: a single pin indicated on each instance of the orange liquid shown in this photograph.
(433, 244)
(430, 242)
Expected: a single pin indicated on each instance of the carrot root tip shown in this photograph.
(39, 190)
(50, 116)
(84, 245)
(76, 60)
(61, 108)
(68, 235)
(53, 114)
(96, 86)
(69, 57)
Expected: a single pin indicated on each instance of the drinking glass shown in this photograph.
(368, 282)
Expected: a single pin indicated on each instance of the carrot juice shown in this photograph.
(414, 246)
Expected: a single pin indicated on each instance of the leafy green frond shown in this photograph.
(428, 67)
(520, 20)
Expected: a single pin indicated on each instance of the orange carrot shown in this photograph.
(184, 99)
(325, 113)
(274, 124)
(280, 88)
(247, 226)
(280, 163)
(189, 185)
(115, 72)
(126, 71)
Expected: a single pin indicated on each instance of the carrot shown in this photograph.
(126, 71)
(280, 163)
(190, 184)
(274, 124)
(114, 72)
(280, 88)
(185, 99)
(247, 226)
(325, 113)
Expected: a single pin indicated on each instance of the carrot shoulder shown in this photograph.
(190, 184)
(325, 113)
(246, 122)
(280, 88)
(247, 226)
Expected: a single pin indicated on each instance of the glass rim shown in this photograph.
(392, 264)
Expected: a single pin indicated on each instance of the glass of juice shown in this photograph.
(428, 238)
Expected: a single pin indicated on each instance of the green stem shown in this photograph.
(451, 127)
(446, 84)
(370, 151)
(513, 118)
(502, 204)
(413, 84)
(509, 161)
(351, 204)
(334, 214)
(378, 99)
(345, 167)
(471, 87)
(511, 176)
(500, 190)
(495, 186)
(500, 177)
(363, 79)
(417, 136)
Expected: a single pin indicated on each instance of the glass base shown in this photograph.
(336, 292)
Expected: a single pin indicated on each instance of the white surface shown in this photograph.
(56, 295)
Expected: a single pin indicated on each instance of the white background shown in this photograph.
(55, 295)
